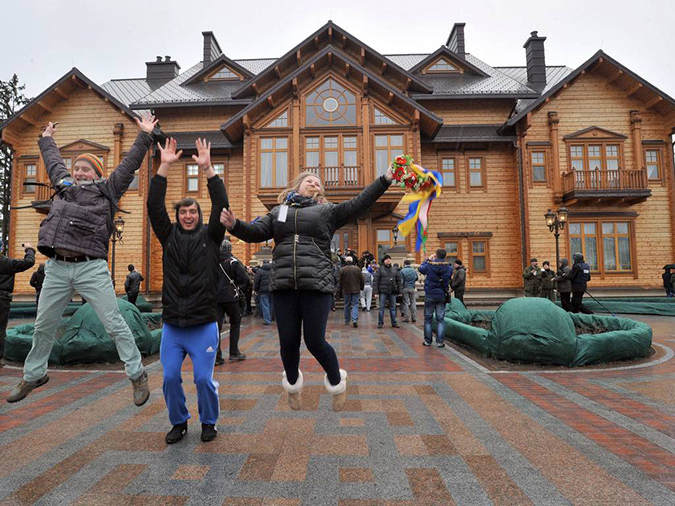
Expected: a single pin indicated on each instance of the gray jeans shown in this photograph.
(92, 281)
(409, 303)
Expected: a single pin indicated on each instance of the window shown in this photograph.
(653, 164)
(381, 118)
(538, 166)
(449, 171)
(192, 178)
(273, 162)
(387, 147)
(384, 242)
(331, 151)
(478, 250)
(476, 172)
(331, 104)
(442, 65)
(225, 74)
(280, 121)
(613, 237)
(312, 151)
(451, 250)
(595, 156)
(29, 176)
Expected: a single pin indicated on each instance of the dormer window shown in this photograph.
(442, 66)
(224, 74)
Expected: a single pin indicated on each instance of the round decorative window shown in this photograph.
(330, 104)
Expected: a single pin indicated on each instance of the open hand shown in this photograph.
(227, 218)
(147, 123)
(49, 129)
(203, 156)
(168, 152)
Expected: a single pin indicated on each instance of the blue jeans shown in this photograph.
(430, 307)
(266, 307)
(382, 299)
(200, 342)
(351, 306)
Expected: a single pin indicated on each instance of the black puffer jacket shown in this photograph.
(190, 258)
(9, 267)
(236, 272)
(302, 258)
(133, 282)
(261, 284)
(387, 280)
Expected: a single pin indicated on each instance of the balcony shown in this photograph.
(613, 187)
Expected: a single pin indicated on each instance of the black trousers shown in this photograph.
(4, 319)
(565, 301)
(247, 297)
(233, 311)
(304, 312)
(459, 295)
(131, 297)
(577, 306)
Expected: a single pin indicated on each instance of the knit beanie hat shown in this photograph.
(92, 160)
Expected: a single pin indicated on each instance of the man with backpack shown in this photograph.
(232, 281)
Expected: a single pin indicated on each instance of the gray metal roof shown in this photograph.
(554, 74)
(470, 133)
(256, 66)
(127, 91)
(186, 140)
(406, 61)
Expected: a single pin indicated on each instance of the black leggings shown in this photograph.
(299, 312)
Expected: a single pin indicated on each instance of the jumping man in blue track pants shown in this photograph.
(191, 254)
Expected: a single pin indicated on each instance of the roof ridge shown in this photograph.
(254, 59)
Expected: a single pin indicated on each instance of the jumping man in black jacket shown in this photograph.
(302, 272)
(190, 260)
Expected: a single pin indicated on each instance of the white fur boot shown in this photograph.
(339, 391)
(294, 391)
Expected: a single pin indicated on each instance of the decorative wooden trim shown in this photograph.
(554, 152)
(459, 235)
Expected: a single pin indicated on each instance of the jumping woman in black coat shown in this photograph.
(302, 227)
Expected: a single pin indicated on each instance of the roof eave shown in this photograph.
(459, 96)
(191, 103)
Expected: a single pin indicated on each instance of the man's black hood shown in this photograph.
(200, 222)
(578, 258)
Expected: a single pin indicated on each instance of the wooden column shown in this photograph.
(296, 138)
(553, 122)
(249, 170)
(364, 225)
(636, 128)
(366, 174)
(118, 131)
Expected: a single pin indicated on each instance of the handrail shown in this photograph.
(338, 177)
(604, 180)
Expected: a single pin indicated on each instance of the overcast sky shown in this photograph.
(46, 38)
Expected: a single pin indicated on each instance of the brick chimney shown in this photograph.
(161, 71)
(211, 47)
(536, 61)
(455, 41)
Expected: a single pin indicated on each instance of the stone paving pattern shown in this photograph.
(422, 426)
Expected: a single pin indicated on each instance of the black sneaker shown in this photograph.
(209, 432)
(380, 325)
(355, 324)
(237, 357)
(413, 320)
(396, 325)
(176, 433)
(220, 360)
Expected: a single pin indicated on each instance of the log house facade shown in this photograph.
(511, 142)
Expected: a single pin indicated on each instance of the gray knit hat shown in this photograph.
(226, 246)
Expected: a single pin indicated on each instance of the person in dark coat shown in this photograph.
(548, 282)
(458, 282)
(351, 283)
(248, 292)
(8, 268)
(436, 284)
(132, 285)
(261, 286)
(668, 279)
(564, 285)
(532, 277)
(302, 282)
(190, 258)
(37, 279)
(386, 285)
(579, 275)
(232, 280)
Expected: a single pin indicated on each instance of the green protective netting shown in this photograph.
(456, 310)
(29, 309)
(661, 306)
(82, 338)
(143, 305)
(536, 331)
(529, 329)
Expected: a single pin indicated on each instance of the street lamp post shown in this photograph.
(394, 232)
(118, 230)
(556, 222)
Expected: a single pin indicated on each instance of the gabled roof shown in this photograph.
(186, 140)
(646, 89)
(330, 34)
(232, 129)
(453, 57)
(603, 131)
(219, 62)
(95, 145)
(74, 75)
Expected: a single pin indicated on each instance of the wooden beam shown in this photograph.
(344, 41)
(298, 57)
(408, 83)
(364, 85)
(390, 98)
(60, 93)
(277, 71)
(247, 123)
(78, 82)
(654, 101)
(312, 70)
(330, 59)
(330, 34)
(31, 121)
(634, 89)
(383, 68)
(316, 41)
(44, 105)
(362, 60)
(270, 101)
(347, 67)
(616, 75)
(599, 63)
(294, 84)
(254, 86)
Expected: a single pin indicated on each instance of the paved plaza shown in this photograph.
(422, 426)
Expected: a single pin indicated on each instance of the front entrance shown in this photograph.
(345, 238)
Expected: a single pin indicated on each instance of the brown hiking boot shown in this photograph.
(141, 390)
(26, 387)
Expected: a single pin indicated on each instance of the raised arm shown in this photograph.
(349, 210)
(257, 231)
(217, 192)
(120, 179)
(14, 265)
(56, 168)
(159, 218)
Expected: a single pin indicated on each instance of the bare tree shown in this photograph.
(11, 100)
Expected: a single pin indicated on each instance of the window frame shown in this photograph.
(24, 176)
(600, 243)
(603, 143)
(187, 178)
(472, 272)
(375, 149)
(305, 105)
(454, 171)
(469, 170)
(274, 151)
(321, 150)
(458, 250)
(545, 165)
(429, 70)
(659, 163)
(236, 75)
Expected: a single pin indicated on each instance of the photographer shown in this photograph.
(436, 285)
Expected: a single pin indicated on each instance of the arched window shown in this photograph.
(331, 104)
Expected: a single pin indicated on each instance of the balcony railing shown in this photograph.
(338, 178)
(604, 180)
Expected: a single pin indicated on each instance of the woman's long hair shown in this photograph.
(320, 196)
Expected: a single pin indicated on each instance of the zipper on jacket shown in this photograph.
(296, 240)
